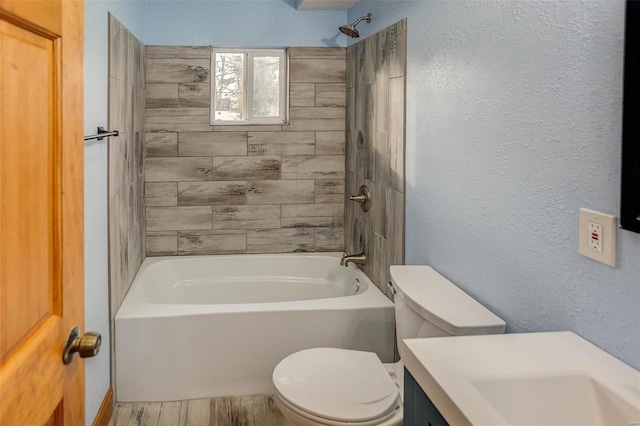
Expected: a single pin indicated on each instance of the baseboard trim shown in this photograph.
(106, 409)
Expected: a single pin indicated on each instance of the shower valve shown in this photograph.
(364, 198)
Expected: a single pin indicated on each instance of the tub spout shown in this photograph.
(358, 259)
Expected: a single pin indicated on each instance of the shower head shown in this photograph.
(350, 30)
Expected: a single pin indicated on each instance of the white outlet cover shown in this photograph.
(608, 236)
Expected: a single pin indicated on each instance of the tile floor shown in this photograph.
(256, 410)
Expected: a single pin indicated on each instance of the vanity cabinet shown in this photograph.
(418, 408)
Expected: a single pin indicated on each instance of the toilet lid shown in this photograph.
(336, 384)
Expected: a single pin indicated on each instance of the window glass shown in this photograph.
(229, 86)
(266, 86)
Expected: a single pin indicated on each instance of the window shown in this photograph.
(249, 86)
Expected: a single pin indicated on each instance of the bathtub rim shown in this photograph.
(134, 307)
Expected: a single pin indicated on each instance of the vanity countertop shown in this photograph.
(524, 379)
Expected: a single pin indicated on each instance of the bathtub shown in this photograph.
(207, 326)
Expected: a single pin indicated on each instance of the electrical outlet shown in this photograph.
(595, 236)
(598, 236)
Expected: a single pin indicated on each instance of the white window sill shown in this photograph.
(250, 123)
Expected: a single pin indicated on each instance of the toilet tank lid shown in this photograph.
(442, 303)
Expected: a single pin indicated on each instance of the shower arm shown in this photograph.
(362, 18)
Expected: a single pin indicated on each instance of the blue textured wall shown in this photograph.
(131, 14)
(241, 23)
(513, 124)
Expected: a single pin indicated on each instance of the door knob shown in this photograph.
(86, 346)
(364, 198)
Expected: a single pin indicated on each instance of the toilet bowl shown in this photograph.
(339, 387)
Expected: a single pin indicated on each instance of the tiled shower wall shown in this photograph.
(243, 189)
(126, 160)
(376, 69)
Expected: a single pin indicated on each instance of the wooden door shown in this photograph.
(41, 216)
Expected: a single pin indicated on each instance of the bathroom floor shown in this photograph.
(256, 410)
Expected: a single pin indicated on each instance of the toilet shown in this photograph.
(339, 387)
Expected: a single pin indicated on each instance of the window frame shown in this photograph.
(247, 90)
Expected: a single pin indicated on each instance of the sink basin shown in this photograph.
(524, 379)
(572, 399)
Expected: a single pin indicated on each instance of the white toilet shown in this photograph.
(339, 387)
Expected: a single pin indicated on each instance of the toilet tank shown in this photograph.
(429, 305)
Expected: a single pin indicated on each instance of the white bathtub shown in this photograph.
(205, 326)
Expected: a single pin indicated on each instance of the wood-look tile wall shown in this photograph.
(126, 160)
(243, 189)
(376, 69)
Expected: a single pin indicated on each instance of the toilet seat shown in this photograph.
(336, 386)
(393, 418)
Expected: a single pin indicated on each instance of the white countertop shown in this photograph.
(462, 375)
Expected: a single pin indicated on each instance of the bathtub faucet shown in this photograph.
(358, 259)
